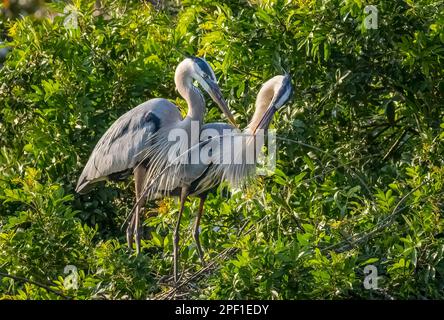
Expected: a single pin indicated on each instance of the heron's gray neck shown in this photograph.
(193, 97)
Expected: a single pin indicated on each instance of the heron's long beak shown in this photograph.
(266, 118)
(216, 95)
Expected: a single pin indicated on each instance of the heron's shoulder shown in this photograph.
(156, 102)
(219, 126)
(160, 107)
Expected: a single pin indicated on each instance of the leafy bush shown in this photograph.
(360, 170)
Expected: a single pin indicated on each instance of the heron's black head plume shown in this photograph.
(204, 66)
(285, 92)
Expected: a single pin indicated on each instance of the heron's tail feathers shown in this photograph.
(84, 187)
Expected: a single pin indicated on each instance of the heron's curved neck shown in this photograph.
(263, 100)
(192, 95)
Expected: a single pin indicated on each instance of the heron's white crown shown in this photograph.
(197, 69)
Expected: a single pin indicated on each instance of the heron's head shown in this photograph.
(283, 91)
(202, 72)
(273, 95)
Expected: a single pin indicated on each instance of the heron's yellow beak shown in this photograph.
(216, 95)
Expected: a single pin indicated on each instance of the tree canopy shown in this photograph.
(360, 170)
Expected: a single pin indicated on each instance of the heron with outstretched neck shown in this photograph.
(121, 151)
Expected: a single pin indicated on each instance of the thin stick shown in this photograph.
(38, 284)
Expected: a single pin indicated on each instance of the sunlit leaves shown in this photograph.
(359, 176)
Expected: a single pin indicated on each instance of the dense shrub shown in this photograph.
(360, 170)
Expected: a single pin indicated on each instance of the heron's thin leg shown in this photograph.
(183, 198)
(139, 176)
(196, 228)
(130, 232)
(137, 230)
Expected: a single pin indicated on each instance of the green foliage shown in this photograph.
(360, 173)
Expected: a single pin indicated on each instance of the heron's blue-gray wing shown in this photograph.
(122, 146)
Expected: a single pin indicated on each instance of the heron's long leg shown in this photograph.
(139, 176)
(130, 232)
(183, 198)
(137, 229)
(196, 228)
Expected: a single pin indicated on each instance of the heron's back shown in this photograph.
(122, 146)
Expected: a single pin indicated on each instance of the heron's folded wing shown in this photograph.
(121, 147)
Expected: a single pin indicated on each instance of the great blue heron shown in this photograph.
(121, 150)
(204, 177)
